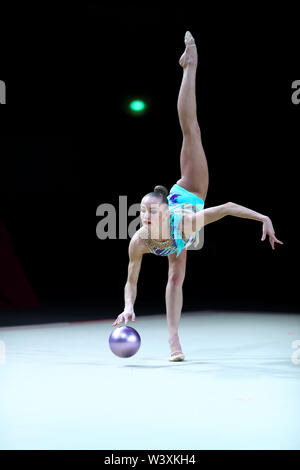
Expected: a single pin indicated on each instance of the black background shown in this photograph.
(67, 146)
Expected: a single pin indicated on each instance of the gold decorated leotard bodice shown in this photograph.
(157, 247)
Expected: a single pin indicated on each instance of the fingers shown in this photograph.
(120, 319)
(274, 240)
(117, 321)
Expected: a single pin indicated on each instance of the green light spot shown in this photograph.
(137, 105)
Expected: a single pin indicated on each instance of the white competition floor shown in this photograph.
(61, 387)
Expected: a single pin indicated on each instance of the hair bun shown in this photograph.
(161, 189)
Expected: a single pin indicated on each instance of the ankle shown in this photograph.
(174, 343)
(173, 337)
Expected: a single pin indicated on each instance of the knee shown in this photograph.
(175, 280)
(192, 129)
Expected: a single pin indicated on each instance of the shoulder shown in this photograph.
(137, 246)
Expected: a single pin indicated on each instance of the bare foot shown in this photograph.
(190, 56)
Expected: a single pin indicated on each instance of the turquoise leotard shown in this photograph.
(180, 198)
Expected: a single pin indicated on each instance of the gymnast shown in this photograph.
(171, 222)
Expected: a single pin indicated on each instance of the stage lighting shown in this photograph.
(137, 106)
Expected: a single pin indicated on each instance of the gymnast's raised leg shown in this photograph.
(193, 163)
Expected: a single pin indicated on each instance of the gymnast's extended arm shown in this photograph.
(212, 214)
(135, 251)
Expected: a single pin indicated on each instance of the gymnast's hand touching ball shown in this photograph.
(126, 315)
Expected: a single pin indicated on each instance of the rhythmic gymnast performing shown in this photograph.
(171, 222)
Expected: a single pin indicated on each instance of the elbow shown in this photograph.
(227, 207)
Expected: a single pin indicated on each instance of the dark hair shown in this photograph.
(160, 192)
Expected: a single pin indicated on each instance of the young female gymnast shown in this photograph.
(171, 223)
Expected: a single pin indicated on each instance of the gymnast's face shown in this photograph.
(154, 214)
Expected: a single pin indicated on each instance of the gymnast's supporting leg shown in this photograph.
(174, 299)
(193, 163)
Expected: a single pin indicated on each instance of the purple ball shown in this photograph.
(124, 341)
